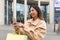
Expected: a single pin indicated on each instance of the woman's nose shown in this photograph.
(31, 12)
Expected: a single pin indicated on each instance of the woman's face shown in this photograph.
(33, 12)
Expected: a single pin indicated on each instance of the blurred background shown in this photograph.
(18, 10)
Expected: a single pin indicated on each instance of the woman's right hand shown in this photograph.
(17, 26)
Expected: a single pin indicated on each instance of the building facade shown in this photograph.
(18, 10)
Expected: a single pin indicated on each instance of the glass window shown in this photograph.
(57, 11)
(57, 15)
(8, 12)
(45, 11)
(20, 11)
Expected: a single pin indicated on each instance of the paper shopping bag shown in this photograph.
(11, 36)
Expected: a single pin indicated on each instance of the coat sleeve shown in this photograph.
(40, 31)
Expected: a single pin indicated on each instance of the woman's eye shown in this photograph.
(32, 10)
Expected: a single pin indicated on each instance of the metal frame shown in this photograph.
(7, 11)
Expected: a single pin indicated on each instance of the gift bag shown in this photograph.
(11, 36)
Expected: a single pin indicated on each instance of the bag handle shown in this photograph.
(18, 31)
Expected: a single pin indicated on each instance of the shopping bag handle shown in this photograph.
(18, 31)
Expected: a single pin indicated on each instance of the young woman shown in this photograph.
(35, 27)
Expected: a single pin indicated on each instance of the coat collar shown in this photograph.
(34, 22)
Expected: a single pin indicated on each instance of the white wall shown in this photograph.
(43, 0)
(51, 4)
(2, 12)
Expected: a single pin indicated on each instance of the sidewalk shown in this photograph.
(51, 35)
(4, 30)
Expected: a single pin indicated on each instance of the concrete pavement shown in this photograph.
(4, 30)
(51, 35)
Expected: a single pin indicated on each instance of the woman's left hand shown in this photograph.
(30, 34)
(22, 31)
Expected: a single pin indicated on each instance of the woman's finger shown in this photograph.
(20, 25)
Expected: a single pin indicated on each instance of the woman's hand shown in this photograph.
(30, 34)
(17, 26)
(22, 31)
(20, 25)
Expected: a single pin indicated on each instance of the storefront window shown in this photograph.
(8, 12)
(20, 11)
(45, 11)
(57, 11)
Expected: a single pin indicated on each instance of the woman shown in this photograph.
(34, 28)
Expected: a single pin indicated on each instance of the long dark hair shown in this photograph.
(40, 14)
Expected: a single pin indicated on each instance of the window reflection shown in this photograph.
(8, 12)
(45, 11)
(20, 11)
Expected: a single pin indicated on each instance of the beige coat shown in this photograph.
(36, 30)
